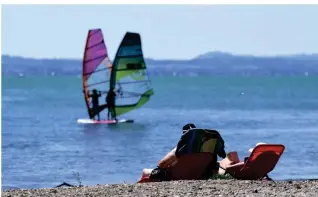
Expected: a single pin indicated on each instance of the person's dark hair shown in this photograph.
(94, 90)
(187, 127)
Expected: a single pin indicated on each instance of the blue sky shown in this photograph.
(174, 32)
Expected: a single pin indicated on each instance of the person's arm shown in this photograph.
(168, 160)
(235, 169)
(228, 166)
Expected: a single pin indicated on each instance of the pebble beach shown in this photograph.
(182, 188)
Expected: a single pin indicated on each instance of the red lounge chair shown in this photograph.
(262, 160)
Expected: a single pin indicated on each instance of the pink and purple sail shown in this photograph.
(96, 69)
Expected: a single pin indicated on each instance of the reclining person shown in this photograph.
(199, 145)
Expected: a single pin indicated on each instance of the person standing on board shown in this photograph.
(95, 102)
(110, 100)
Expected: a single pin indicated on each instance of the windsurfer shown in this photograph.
(95, 102)
(110, 100)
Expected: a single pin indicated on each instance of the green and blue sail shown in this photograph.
(130, 76)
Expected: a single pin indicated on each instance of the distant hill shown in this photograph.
(211, 63)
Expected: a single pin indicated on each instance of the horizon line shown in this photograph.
(195, 57)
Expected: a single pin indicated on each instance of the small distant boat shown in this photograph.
(128, 74)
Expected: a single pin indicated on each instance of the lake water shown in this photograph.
(42, 145)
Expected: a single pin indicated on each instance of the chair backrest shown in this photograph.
(262, 160)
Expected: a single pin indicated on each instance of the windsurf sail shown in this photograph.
(96, 70)
(129, 76)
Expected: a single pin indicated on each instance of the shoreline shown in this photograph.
(202, 188)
